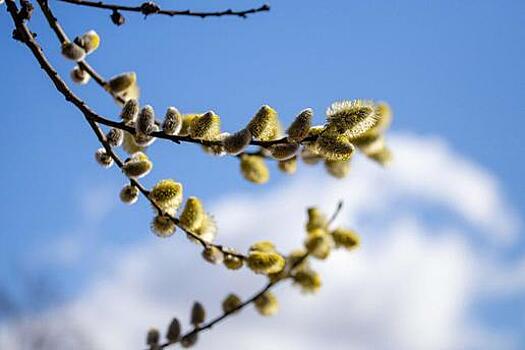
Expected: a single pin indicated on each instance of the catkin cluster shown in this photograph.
(349, 126)
(122, 87)
(263, 258)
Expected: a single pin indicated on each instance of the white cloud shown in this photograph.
(412, 285)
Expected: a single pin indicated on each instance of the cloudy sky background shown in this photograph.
(442, 264)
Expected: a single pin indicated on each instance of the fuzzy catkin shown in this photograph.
(267, 304)
(145, 123)
(265, 124)
(167, 195)
(300, 127)
(231, 303)
(122, 82)
(130, 111)
(79, 76)
(103, 158)
(129, 194)
(254, 169)
(172, 121)
(193, 215)
(137, 166)
(89, 41)
(206, 126)
(334, 147)
(73, 52)
(163, 226)
(337, 168)
(115, 137)
(236, 143)
(284, 151)
(352, 118)
(288, 166)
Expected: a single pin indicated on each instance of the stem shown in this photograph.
(150, 8)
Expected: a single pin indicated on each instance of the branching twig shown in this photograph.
(252, 299)
(151, 8)
(26, 36)
(62, 37)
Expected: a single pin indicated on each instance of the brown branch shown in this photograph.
(26, 36)
(151, 8)
(62, 37)
(252, 299)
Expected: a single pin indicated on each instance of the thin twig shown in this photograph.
(62, 37)
(26, 36)
(253, 298)
(151, 8)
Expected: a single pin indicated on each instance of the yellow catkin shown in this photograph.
(132, 92)
(300, 127)
(265, 124)
(130, 145)
(262, 246)
(122, 82)
(167, 195)
(345, 238)
(352, 118)
(265, 262)
(217, 148)
(296, 258)
(318, 243)
(283, 151)
(308, 280)
(208, 229)
(334, 147)
(383, 156)
(236, 143)
(385, 116)
(163, 226)
(370, 143)
(129, 194)
(230, 303)
(267, 304)
(232, 262)
(89, 41)
(254, 169)
(337, 168)
(288, 166)
(193, 214)
(187, 120)
(309, 157)
(213, 255)
(206, 126)
(316, 220)
(137, 166)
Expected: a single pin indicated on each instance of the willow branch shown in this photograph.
(26, 36)
(252, 299)
(62, 37)
(151, 8)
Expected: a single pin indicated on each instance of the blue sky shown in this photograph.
(449, 69)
